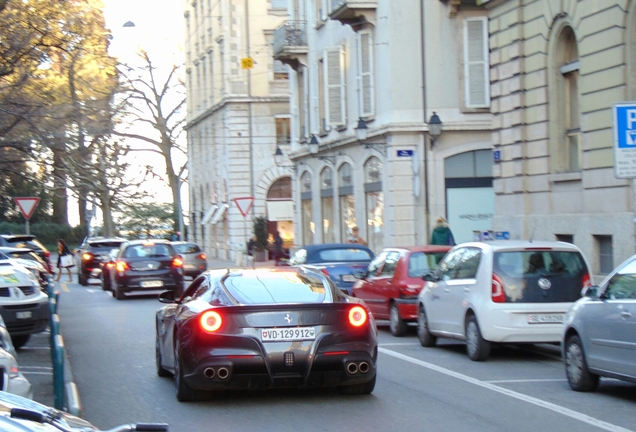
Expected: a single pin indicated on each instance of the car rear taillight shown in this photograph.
(47, 254)
(357, 316)
(586, 281)
(498, 294)
(408, 292)
(87, 256)
(201, 256)
(211, 321)
(122, 266)
(177, 262)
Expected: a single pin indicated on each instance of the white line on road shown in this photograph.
(37, 373)
(532, 400)
(36, 367)
(524, 381)
(400, 344)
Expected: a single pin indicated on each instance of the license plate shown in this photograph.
(151, 284)
(348, 278)
(24, 315)
(288, 334)
(545, 318)
(189, 267)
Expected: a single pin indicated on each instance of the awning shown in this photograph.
(208, 214)
(219, 213)
(280, 210)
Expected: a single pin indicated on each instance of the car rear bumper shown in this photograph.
(227, 372)
(407, 308)
(17, 324)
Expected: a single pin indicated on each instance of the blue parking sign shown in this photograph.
(625, 140)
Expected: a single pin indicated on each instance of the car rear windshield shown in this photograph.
(187, 248)
(26, 243)
(541, 276)
(338, 255)
(262, 287)
(149, 251)
(105, 245)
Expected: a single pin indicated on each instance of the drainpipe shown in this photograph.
(427, 209)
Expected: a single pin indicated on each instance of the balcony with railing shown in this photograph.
(356, 13)
(290, 43)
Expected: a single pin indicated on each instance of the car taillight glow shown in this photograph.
(357, 316)
(335, 353)
(177, 262)
(211, 321)
(408, 292)
(587, 281)
(498, 294)
(122, 266)
(47, 254)
(201, 256)
(325, 272)
(87, 256)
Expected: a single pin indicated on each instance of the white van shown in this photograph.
(501, 292)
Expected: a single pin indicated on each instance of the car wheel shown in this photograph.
(477, 347)
(105, 286)
(184, 393)
(81, 278)
(397, 324)
(20, 340)
(160, 369)
(579, 376)
(119, 293)
(426, 338)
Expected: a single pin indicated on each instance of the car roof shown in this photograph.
(14, 249)
(146, 241)
(105, 239)
(502, 245)
(420, 248)
(18, 237)
(316, 247)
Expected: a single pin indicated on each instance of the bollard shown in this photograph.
(55, 331)
(58, 372)
(52, 306)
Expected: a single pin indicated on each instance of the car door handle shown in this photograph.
(626, 314)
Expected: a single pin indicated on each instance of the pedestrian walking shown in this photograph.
(442, 235)
(278, 248)
(355, 237)
(64, 260)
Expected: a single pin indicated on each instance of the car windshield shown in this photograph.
(265, 287)
(148, 251)
(187, 248)
(540, 276)
(108, 245)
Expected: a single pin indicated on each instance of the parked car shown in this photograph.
(18, 414)
(194, 260)
(23, 305)
(30, 242)
(599, 335)
(339, 261)
(143, 265)
(501, 291)
(265, 328)
(31, 261)
(91, 256)
(392, 281)
(13, 381)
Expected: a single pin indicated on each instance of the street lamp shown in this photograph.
(313, 145)
(279, 158)
(129, 24)
(434, 128)
(362, 132)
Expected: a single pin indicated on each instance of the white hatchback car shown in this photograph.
(501, 292)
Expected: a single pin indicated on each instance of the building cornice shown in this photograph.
(237, 99)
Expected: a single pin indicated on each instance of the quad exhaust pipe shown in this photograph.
(354, 368)
(222, 373)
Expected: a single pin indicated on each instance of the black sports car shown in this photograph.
(265, 328)
(143, 265)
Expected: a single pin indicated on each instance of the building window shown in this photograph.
(322, 110)
(605, 253)
(211, 77)
(567, 238)
(279, 4)
(335, 86)
(365, 79)
(283, 134)
(326, 205)
(302, 103)
(347, 201)
(476, 65)
(374, 198)
(308, 226)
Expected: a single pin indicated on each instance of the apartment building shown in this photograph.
(391, 122)
(237, 115)
(557, 69)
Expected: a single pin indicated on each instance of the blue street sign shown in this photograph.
(404, 153)
(625, 140)
(496, 155)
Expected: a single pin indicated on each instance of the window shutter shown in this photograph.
(334, 74)
(476, 77)
(366, 82)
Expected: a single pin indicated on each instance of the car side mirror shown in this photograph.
(167, 297)
(591, 291)
(429, 277)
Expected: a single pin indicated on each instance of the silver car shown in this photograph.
(599, 336)
(194, 260)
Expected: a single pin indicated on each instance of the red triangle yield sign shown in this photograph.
(244, 204)
(27, 205)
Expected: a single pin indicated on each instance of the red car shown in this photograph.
(393, 281)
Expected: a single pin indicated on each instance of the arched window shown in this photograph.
(347, 200)
(326, 205)
(565, 128)
(308, 225)
(375, 203)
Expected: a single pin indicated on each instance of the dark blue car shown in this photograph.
(339, 261)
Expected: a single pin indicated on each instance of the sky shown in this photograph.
(159, 31)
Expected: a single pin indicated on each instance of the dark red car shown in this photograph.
(393, 281)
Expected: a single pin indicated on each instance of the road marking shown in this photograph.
(35, 373)
(36, 367)
(400, 344)
(524, 381)
(34, 348)
(532, 400)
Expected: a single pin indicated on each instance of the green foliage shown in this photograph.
(47, 233)
(148, 220)
(260, 231)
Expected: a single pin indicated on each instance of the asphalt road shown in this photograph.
(110, 345)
